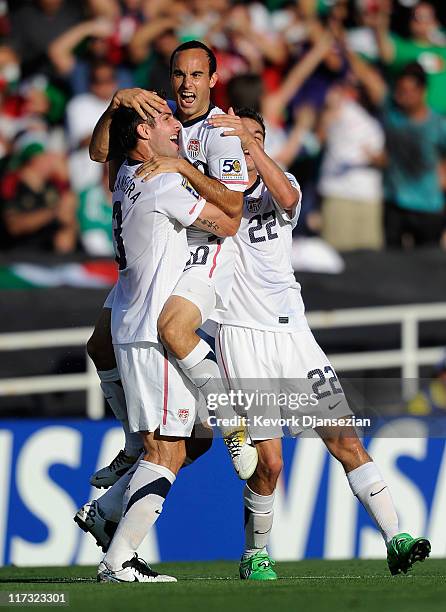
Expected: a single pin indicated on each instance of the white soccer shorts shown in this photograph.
(209, 266)
(201, 293)
(157, 392)
(290, 372)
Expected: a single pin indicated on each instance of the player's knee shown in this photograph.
(270, 467)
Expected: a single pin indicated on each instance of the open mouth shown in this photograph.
(187, 98)
(174, 139)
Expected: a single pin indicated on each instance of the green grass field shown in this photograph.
(307, 585)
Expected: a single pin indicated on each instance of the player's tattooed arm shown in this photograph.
(146, 103)
(213, 220)
(229, 202)
(209, 225)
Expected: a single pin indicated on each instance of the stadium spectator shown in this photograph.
(285, 59)
(150, 49)
(36, 25)
(426, 45)
(350, 181)
(39, 209)
(247, 91)
(82, 113)
(415, 143)
(75, 69)
(95, 218)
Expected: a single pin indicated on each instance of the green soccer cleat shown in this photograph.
(403, 551)
(257, 567)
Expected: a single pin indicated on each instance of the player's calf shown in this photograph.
(258, 497)
(345, 446)
(144, 498)
(269, 467)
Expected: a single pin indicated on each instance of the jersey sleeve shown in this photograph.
(176, 198)
(283, 214)
(226, 161)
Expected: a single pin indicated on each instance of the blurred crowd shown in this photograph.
(353, 94)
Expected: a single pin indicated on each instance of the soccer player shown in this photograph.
(209, 271)
(149, 221)
(264, 335)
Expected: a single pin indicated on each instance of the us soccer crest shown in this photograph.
(183, 415)
(193, 148)
(254, 204)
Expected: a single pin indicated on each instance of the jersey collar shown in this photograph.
(253, 186)
(197, 119)
(133, 162)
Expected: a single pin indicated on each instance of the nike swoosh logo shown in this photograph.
(262, 532)
(376, 492)
(334, 405)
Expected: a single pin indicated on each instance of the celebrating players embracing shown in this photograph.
(209, 270)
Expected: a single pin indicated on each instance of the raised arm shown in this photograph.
(382, 35)
(144, 102)
(370, 78)
(61, 50)
(299, 74)
(139, 45)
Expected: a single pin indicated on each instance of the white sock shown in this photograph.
(143, 502)
(201, 367)
(258, 521)
(369, 487)
(111, 502)
(114, 394)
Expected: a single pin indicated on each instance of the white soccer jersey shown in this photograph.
(265, 293)
(149, 237)
(221, 158)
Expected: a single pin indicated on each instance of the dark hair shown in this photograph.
(196, 44)
(249, 113)
(123, 134)
(415, 71)
(245, 91)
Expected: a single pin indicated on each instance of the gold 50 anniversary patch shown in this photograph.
(231, 170)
